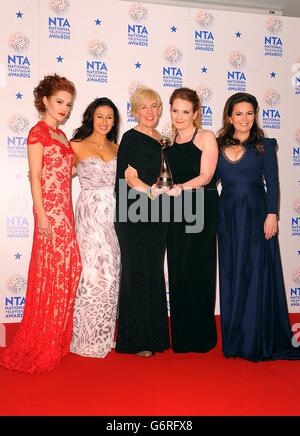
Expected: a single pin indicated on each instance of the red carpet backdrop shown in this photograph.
(107, 48)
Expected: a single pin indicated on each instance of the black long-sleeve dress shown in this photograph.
(143, 318)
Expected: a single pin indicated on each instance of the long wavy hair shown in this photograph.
(87, 126)
(226, 133)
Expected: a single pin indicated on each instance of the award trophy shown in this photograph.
(165, 179)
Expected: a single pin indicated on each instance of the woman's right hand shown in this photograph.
(156, 191)
(43, 224)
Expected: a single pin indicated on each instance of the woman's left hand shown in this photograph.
(175, 191)
(156, 191)
(271, 225)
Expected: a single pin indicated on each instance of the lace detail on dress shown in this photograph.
(233, 162)
(45, 332)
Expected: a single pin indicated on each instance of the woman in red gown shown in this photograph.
(44, 335)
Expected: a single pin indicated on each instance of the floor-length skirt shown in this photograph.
(192, 281)
(254, 315)
(45, 332)
(143, 318)
(97, 295)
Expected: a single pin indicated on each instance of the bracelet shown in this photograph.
(149, 193)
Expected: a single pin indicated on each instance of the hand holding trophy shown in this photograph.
(165, 179)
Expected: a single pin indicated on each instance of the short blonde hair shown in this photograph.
(141, 94)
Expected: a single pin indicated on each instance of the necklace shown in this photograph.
(100, 146)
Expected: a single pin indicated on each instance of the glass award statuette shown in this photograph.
(165, 178)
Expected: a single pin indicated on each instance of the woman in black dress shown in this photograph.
(192, 256)
(143, 319)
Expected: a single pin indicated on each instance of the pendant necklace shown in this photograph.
(100, 146)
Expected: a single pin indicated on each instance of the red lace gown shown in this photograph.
(44, 335)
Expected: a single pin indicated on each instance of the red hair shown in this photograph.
(49, 86)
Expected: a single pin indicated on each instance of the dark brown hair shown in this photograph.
(87, 126)
(49, 86)
(225, 134)
(191, 96)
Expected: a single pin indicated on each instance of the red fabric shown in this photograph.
(166, 384)
(45, 332)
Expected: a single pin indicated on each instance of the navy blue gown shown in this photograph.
(254, 314)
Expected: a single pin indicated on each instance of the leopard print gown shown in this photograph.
(97, 294)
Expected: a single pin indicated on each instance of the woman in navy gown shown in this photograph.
(254, 315)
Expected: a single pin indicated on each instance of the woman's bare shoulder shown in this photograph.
(205, 138)
(205, 133)
(78, 143)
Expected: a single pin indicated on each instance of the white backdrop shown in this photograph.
(108, 47)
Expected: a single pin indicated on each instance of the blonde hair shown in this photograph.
(141, 94)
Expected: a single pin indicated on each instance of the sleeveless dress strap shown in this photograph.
(194, 135)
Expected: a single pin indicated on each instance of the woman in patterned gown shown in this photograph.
(45, 332)
(95, 146)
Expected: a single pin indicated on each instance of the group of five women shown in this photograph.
(75, 291)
